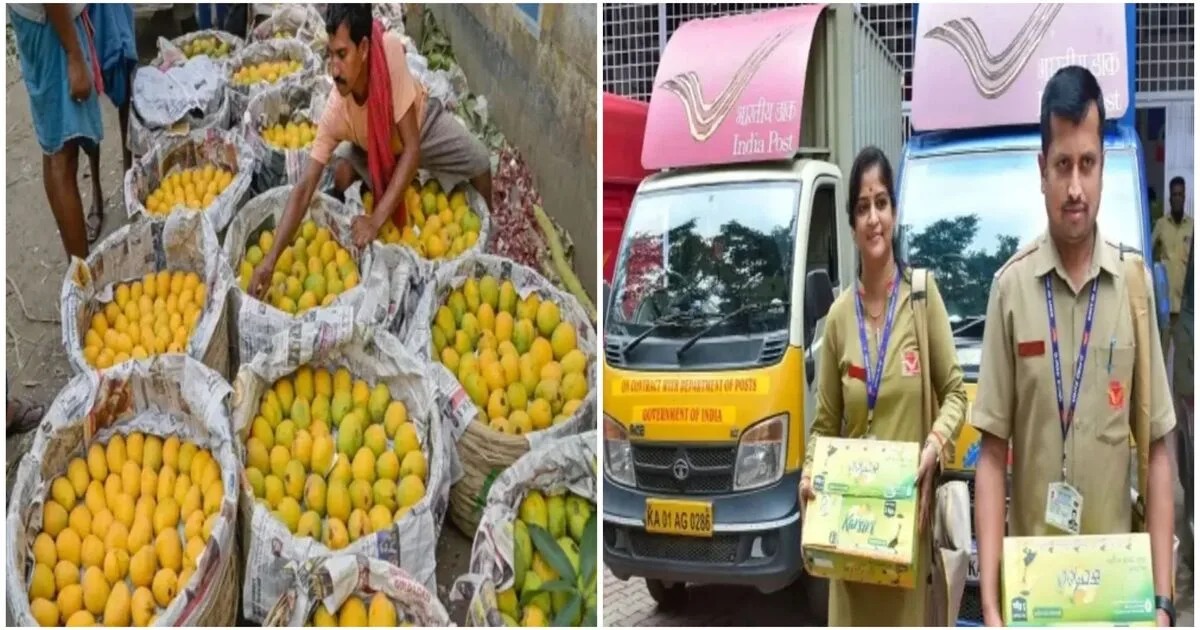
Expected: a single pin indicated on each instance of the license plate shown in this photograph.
(681, 518)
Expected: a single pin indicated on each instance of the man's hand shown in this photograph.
(1164, 621)
(261, 280)
(926, 472)
(78, 77)
(366, 227)
(992, 618)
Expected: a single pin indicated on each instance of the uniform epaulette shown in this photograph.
(1124, 251)
(1021, 254)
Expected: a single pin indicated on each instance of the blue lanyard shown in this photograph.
(1067, 415)
(875, 378)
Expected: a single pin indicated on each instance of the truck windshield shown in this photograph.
(697, 254)
(969, 213)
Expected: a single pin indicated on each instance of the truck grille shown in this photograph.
(720, 549)
(971, 608)
(710, 468)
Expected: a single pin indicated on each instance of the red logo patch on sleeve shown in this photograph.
(857, 372)
(912, 363)
(1116, 395)
(1031, 348)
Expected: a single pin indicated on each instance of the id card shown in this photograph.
(1064, 507)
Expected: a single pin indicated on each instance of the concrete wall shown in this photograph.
(540, 83)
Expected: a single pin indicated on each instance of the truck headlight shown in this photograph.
(760, 454)
(618, 453)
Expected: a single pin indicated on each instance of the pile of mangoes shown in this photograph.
(334, 458)
(268, 71)
(440, 226)
(354, 613)
(311, 272)
(195, 188)
(290, 136)
(211, 46)
(518, 361)
(569, 519)
(150, 316)
(123, 531)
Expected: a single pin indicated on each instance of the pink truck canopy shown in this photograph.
(730, 89)
(984, 65)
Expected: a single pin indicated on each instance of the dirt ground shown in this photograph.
(35, 264)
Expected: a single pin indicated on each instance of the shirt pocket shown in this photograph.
(1111, 386)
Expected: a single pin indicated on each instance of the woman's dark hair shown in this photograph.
(870, 157)
(356, 17)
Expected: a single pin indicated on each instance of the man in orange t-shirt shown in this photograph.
(423, 134)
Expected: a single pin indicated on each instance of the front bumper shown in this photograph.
(755, 542)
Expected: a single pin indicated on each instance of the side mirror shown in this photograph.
(818, 297)
(903, 242)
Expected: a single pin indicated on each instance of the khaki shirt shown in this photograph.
(841, 375)
(1171, 242)
(842, 393)
(1016, 397)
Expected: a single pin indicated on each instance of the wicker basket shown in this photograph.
(484, 454)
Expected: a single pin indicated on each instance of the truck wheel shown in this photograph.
(669, 597)
(816, 591)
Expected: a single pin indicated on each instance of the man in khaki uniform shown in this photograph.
(1171, 242)
(1069, 427)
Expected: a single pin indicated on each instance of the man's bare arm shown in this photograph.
(288, 224)
(1160, 517)
(59, 17)
(989, 521)
(297, 203)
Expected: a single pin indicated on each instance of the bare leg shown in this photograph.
(483, 183)
(95, 218)
(123, 116)
(62, 191)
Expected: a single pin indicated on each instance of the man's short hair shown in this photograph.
(1068, 94)
(1178, 181)
(356, 17)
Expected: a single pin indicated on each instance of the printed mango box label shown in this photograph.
(865, 468)
(861, 527)
(1073, 580)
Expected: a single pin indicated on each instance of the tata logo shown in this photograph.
(993, 73)
(680, 469)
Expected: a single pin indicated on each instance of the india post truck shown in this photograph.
(969, 184)
(732, 254)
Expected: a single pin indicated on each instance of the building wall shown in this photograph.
(540, 83)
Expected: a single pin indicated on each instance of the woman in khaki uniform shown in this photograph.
(880, 312)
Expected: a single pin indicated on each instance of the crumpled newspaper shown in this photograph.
(302, 22)
(163, 97)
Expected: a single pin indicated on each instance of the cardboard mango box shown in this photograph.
(861, 527)
(1078, 580)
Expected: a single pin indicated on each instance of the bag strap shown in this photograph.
(937, 595)
(1139, 415)
(920, 282)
